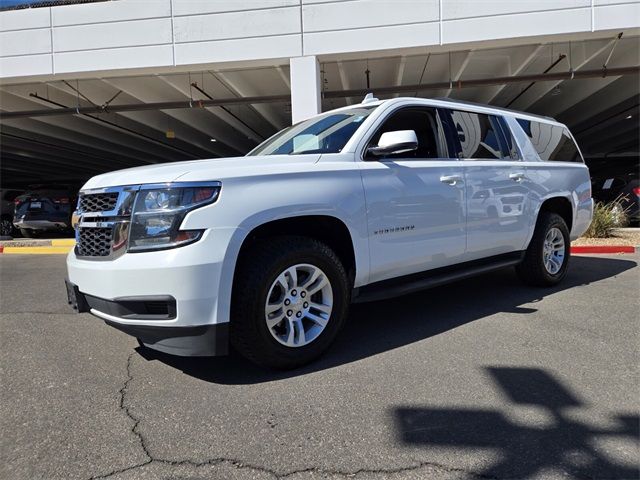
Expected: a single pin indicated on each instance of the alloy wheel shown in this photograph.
(299, 305)
(553, 251)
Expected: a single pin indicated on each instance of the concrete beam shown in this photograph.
(305, 88)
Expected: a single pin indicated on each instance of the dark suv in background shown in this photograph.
(7, 199)
(617, 177)
(45, 208)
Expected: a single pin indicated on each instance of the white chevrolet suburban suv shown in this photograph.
(266, 252)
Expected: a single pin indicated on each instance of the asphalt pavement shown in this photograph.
(485, 378)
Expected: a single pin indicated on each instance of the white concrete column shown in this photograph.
(305, 88)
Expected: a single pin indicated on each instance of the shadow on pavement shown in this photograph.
(401, 321)
(523, 451)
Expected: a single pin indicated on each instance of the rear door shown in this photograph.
(495, 183)
(415, 201)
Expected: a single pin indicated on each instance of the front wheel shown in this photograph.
(290, 299)
(547, 257)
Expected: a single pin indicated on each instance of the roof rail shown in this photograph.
(476, 104)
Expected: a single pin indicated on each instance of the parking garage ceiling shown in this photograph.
(124, 120)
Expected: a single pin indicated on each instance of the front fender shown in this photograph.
(249, 202)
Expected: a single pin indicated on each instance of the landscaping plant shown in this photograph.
(606, 218)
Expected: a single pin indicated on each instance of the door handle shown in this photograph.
(517, 176)
(451, 179)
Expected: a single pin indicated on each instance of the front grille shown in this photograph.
(98, 202)
(94, 242)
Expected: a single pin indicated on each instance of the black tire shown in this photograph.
(256, 271)
(532, 270)
(28, 233)
(6, 227)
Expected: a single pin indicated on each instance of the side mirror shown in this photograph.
(400, 141)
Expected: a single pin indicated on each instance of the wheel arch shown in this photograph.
(326, 228)
(561, 206)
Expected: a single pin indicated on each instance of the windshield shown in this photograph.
(324, 134)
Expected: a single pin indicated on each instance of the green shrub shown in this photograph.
(606, 217)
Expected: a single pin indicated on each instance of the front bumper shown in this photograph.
(201, 340)
(171, 300)
(40, 224)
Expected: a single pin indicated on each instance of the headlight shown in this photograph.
(158, 212)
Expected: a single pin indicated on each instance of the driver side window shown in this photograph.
(424, 122)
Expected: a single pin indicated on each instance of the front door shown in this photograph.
(415, 201)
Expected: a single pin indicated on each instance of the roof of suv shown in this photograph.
(463, 104)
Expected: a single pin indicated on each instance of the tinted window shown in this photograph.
(478, 136)
(324, 134)
(552, 142)
(512, 150)
(423, 121)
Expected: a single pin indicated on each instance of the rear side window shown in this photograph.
(552, 142)
(477, 136)
(511, 143)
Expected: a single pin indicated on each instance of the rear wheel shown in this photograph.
(290, 300)
(547, 257)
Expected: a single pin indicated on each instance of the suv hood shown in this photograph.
(203, 170)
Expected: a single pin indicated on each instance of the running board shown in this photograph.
(396, 287)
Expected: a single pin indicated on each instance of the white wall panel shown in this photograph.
(617, 16)
(311, 2)
(221, 26)
(283, 46)
(24, 18)
(380, 38)
(613, 2)
(112, 35)
(110, 11)
(137, 33)
(113, 59)
(25, 42)
(25, 65)
(456, 9)
(520, 25)
(196, 7)
(367, 13)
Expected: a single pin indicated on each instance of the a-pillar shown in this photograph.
(305, 88)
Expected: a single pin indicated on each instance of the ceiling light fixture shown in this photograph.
(214, 140)
(628, 117)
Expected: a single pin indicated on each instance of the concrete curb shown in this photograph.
(64, 246)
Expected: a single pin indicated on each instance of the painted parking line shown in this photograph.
(63, 242)
(36, 250)
(603, 249)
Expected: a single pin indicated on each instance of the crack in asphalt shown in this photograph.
(134, 429)
(240, 465)
(280, 476)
